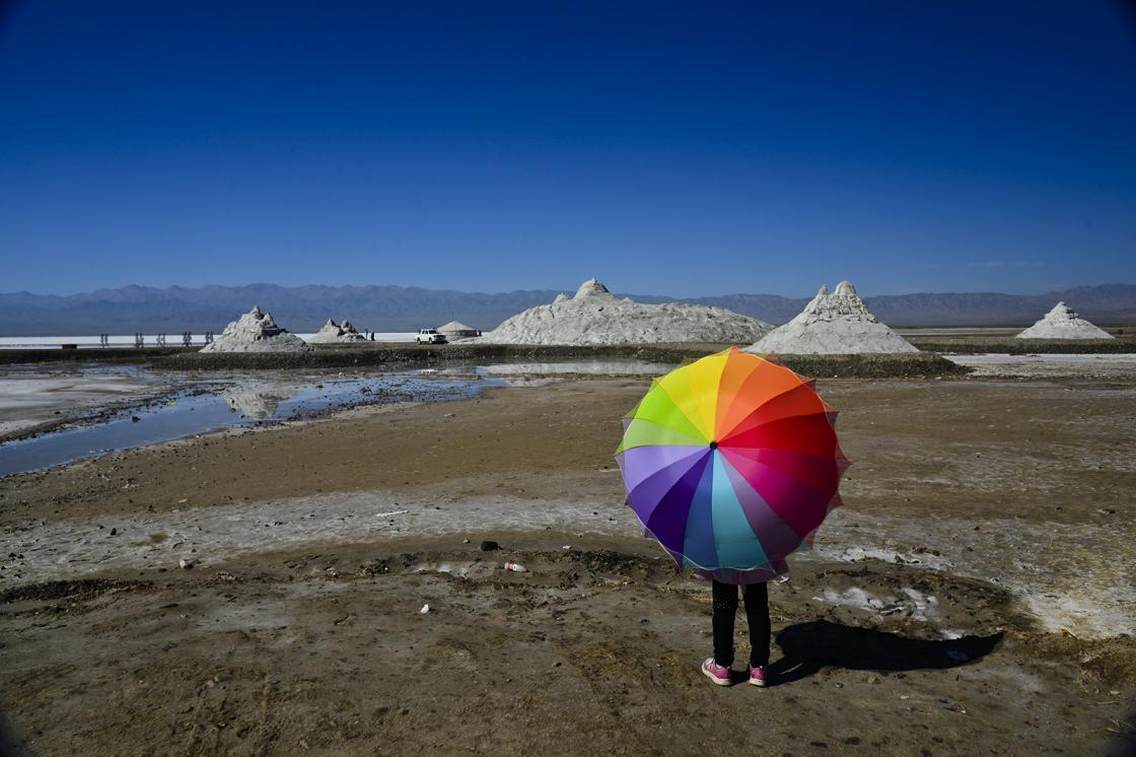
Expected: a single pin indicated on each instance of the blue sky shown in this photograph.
(670, 148)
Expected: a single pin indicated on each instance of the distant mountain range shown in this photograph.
(391, 308)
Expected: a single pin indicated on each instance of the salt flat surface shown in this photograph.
(88, 341)
(1076, 577)
(1116, 366)
(172, 340)
(579, 367)
(30, 395)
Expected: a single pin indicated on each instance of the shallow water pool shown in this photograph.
(241, 403)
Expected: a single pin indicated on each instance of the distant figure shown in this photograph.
(755, 590)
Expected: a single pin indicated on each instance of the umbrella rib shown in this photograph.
(657, 386)
(692, 458)
(622, 459)
(806, 484)
(726, 433)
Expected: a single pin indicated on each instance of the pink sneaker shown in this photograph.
(719, 674)
(757, 676)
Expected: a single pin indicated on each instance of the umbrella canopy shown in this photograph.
(731, 462)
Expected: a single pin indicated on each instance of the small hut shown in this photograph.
(457, 330)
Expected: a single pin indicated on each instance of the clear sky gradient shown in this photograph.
(681, 149)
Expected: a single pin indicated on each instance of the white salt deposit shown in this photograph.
(596, 316)
(334, 333)
(255, 331)
(833, 324)
(457, 330)
(1063, 323)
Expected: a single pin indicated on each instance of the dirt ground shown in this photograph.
(972, 596)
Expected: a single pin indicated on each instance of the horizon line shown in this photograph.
(168, 287)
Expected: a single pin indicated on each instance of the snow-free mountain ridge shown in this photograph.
(389, 308)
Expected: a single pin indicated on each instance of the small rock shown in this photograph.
(425, 609)
(114, 532)
(185, 564)
(488, 545)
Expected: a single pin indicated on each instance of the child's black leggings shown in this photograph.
(757, 615)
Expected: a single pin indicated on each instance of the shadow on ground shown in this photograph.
(9, 744)
(808, 647)
(1122, 737)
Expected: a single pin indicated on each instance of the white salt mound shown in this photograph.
(597, 317)
(455, 330)
(833, 324)
(1063, 323)
(255, 331)
(334, 333)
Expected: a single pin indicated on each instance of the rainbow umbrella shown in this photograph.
(731, 462)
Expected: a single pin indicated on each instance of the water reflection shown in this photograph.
(246, 402)
(257, 400)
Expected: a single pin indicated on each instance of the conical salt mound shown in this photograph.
(1063, 323)
(255, 331)
(335, 333)
(833, 324)
(596, 316)
(592, 288)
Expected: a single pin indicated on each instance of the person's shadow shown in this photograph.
(808, 647)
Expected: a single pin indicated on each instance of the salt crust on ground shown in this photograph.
(1063, 323)
(596, 316)
(833, 324)
(255, 331)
